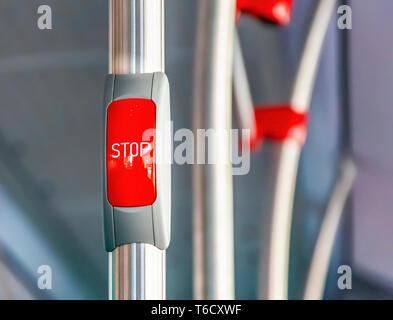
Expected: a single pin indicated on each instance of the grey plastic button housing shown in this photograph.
(149, 224)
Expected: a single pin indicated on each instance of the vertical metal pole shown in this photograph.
(213, 194)
(136, 45)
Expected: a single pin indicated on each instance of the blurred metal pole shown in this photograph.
(320, 262)
(242, 92)
(213, 194)
(136, 45)
(285, 160)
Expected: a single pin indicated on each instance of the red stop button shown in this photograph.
(130, 157)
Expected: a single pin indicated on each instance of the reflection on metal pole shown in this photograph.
(213, 195)
(136, 45)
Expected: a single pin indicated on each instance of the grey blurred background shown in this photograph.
(51, 85)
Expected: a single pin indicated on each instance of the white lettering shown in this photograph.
(118, 152)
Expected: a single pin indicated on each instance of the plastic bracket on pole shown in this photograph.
(137, 162)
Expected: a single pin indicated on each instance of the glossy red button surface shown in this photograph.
(130, 158)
